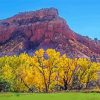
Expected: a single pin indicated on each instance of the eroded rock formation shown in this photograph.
(29, 31)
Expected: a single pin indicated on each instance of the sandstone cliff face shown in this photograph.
(29, 31)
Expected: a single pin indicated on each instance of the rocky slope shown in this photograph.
(29, 31)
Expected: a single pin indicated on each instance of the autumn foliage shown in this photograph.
(47, 71)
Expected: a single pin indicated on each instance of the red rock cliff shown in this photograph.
(43, 29)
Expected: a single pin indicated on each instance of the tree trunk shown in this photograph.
(65, 84)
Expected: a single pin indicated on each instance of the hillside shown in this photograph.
(44, 28)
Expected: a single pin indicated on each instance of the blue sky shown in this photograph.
(83, 16)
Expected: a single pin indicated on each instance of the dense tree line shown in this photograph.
(46, 71)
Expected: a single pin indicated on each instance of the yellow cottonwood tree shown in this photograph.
(88, 71)
(46, 63)
(45, 71)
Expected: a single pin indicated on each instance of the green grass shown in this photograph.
(52, 96)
